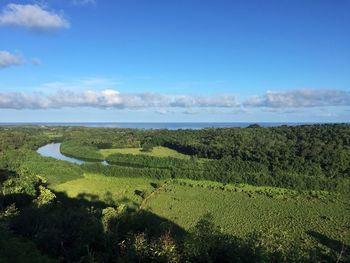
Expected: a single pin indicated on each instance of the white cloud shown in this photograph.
(17, 100)
(303, 98)
(7, 59)
(31, 16)
(110, 98)
(276, 102)
(225, 101)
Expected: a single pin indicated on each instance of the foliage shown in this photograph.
(152, 161)
(81, 151)
(147, 147)
(206, 243)
(16, 249)
(239, 210)
(30, 163)
(140, 248)
(46, 197)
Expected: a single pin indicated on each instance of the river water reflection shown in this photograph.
(53, 150)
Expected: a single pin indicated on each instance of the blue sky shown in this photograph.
(184, 60)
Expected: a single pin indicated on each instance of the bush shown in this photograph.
(46, 197)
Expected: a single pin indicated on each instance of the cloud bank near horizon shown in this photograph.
(302, 98)
(110, 98)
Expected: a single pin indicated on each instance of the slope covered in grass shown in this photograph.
(158, 151)
(113, 190)
(247, 209)
(236, 209)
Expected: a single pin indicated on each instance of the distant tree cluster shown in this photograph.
(308, 156)
(81, 151)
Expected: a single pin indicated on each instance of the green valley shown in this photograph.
(278, 194)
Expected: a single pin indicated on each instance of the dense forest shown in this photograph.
(313, 157)
(38, 224)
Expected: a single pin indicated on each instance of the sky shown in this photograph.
(175, 61)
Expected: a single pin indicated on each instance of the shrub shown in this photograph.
(46, 197)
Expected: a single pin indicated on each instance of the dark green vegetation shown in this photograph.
(81, 151)
(315, 157)
(145, 208)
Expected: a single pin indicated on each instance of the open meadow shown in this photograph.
(158, 151)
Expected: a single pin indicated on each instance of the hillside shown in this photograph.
(250, 195)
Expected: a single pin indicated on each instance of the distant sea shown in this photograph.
(156, 125)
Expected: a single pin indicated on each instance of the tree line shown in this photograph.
(297, 157)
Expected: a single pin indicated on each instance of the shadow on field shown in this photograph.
(106, 200)
(77, 229)
(5, 174)
(333, 244)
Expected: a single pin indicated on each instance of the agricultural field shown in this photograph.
(158, 151)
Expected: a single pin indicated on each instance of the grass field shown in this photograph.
(112, 190)
(158, 151)
(237, 209)
(242, 212)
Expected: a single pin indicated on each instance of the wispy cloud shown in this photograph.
(31, 16)
(80, 84)
(7, 59)
(110, 98)
(83, 2)
(95, 81)
(302, 98)
(225, 101)
(36, 61)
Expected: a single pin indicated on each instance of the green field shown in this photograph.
(158, 151)
(240, 213)
(236, 209)
(112, 190)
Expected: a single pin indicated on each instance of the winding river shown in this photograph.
(53, 150)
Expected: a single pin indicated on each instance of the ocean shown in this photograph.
(156, 125)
